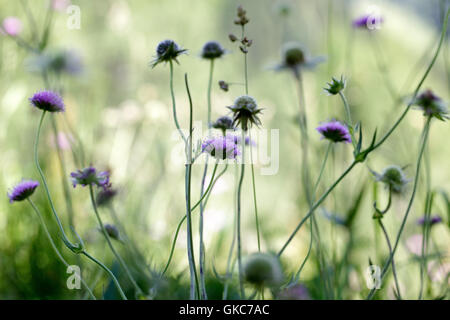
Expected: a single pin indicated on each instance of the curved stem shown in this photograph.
(110, 245)
(194, 286)
(322, 168)
(70, 245)
(113, 277)
(388, 206)
(416, 180)
(315, 206)
(55, 248)
(174, 105)
(386, 236)
(205, 195)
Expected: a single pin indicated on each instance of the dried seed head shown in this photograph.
(245, 112)
(232, 37)
(263, 269)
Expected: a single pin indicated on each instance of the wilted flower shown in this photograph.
(223, 123)
(370, 21)
(221, 148)
(12, 26)
(166, 51)
(245, 112)
(61, 61)
(48, 101)
(212, 50)
(431, 220)
(393, 177)
(105, 196)
(22, 190)
(431, 105)
(223, 85)
(89, 176)
(263, 269)
(294, 292)
(295, 58)
(335, 131)
(112, 231)
(335, 86)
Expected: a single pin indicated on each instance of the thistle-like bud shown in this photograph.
(166, 51)
(335, 86)
(212, 50)
(223, 123)
(112, 231)
(245, 112)
(293, 54)
(263, 269)
(432, 105)
(394, 178)
(224, 85)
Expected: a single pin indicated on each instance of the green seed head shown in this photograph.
(263, 269)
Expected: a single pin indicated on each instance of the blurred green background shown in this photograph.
(120, 110)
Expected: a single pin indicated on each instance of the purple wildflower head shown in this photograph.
(432, 105)
(166, 51)
(221, 148)
(22, 190)
(334, 131)
(48, 101)
(368, 21)
(212, 50)
(11, 26)
(89, 176)
(431, 220)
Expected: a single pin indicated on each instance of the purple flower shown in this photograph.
(89, 176)
(22, 190)
(221, 148)
(335, 131)
(48, 101)
(431, 220)
(369, 21)
(432, 105)
(12, 26)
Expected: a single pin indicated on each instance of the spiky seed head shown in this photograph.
(212, 50)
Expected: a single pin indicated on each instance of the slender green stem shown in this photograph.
(109, 272)
(315, 206)
(110, 245)
(194, 287)
(238, 220)
(297, 275)
(207, 192)
(254, 193)
(416, 91)
(174, 105)
(233, 241)
(55, 248)
(70, 245)
(388, 242)
(210, 80)
(416, 180)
